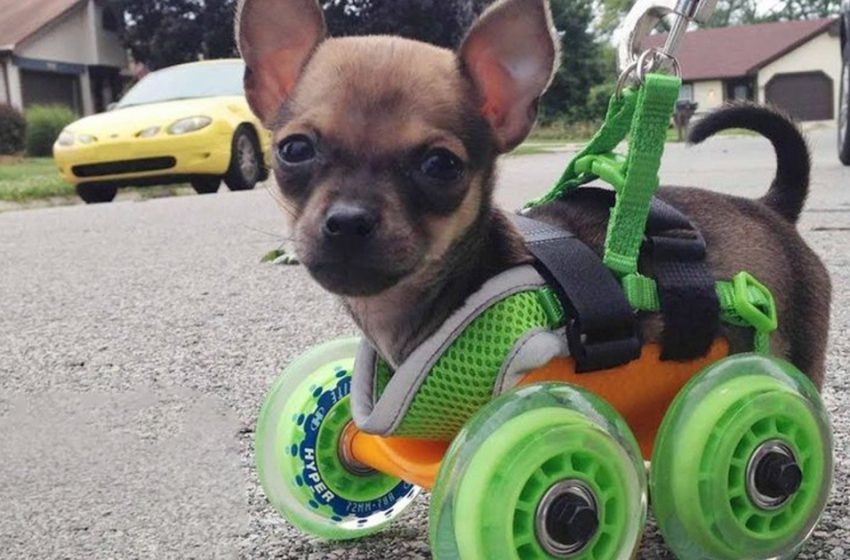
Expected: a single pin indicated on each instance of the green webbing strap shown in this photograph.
(617, 124)
(644, 115)
(642, 292)
(655, 105)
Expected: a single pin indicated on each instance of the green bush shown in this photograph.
(564, 131)
(13, 129)
(44, 124)
(597, 101)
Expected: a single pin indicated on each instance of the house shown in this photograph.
(795, 65)
(61, 52)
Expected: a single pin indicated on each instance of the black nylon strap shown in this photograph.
(602, 328)
(686, 287)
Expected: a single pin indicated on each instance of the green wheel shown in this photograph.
(298, 449)
(546, 471)
(742, 466)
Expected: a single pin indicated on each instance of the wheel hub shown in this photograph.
(247, 157)
(773, 475)
(346, 456)
(567, 519)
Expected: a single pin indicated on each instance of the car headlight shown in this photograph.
(86, 139)
(65, 139)
(191, 124)
(149, 132)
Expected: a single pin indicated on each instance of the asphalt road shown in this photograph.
(137, 341)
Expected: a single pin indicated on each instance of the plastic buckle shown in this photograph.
(555, 314)
(608, 167)
(763, 320)
(598, 352)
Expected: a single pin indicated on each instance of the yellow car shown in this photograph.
(188, 123)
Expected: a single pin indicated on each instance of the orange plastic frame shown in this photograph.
(641, 391)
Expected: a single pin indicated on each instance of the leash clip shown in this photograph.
(642, 19)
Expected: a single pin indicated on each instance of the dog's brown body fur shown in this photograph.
(373, 110)
(740, 235)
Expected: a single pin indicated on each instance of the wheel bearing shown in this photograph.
(773, 475)
(346, 456)
(567, 519)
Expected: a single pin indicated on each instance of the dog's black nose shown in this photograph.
(350, 222)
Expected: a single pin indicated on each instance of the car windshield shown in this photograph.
(187, 82)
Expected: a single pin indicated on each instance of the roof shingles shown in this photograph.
(21, 18)
(731, 52)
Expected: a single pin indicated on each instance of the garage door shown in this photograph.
(50, 88)
(808, 96)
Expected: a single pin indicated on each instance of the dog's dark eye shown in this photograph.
(296, 150)
(441, 165)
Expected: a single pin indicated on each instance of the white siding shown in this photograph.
(821, 53)
(110, 51)
(4, 86)
(15, 85)
(67, 40)
(77, 38)
(709, 95)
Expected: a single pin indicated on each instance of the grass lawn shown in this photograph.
(31, 179)
(34, 179)
(535, 146)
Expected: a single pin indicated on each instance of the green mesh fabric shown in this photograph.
(462, 381)
(383, 374)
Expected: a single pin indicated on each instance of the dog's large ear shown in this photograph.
(276, 39)
(511, 54)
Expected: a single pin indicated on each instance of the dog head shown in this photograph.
(385, 147)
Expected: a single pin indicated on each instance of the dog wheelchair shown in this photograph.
(532, 413)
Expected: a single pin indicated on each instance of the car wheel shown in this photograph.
(206, 185)
(246, 163)
(844, 113)
(97, 193)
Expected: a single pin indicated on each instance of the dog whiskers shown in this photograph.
(281, 202)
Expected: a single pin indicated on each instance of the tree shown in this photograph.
(440, 22)
(162, 33)
(584, 63)
(218, 37)
(731, 12)
(790, 10)
(611, 14)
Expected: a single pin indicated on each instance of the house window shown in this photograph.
(739, 89)
(687, 93)
(740, 93)
(110, 21)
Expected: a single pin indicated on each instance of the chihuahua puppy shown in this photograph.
(386, 151)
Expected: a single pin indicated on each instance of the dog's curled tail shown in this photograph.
(790, 188)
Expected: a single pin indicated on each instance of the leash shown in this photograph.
(683, 289)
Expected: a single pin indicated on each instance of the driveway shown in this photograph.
(137, 341)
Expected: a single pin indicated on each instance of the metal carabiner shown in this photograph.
(645, 16)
